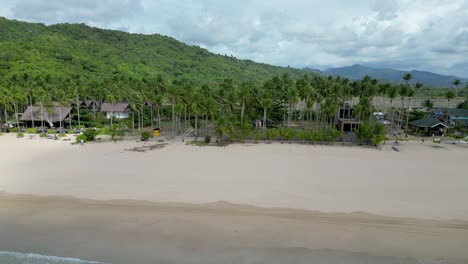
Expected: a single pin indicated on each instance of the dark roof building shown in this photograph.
(428, 123)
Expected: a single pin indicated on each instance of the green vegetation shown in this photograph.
(67, 50)
(173, 86)
(32, 130)
(145, 135)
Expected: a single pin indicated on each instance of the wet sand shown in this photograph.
(164, 204)
(143, 232)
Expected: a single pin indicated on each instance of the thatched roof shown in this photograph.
(119, 107)
(52, 114)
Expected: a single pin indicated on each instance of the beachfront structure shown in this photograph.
(430, 125)
(452, 116)
(346, 121)
(46, 116)
(117, 110)
(90, 105)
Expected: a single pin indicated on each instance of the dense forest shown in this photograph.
(165, 80)
(66, 50)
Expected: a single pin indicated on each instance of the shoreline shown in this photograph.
(274, 203)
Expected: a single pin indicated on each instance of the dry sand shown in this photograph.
(420, 182)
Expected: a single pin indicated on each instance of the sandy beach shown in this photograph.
(187, 204)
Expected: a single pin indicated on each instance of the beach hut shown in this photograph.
(430, 125)
(51, 116)
(118, 110)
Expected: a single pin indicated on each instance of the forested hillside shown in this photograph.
(67, 50)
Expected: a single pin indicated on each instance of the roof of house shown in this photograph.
(118, 107)
(427, 122)
(461, 122)
(452, 111)
(85, 103)
(52, 114)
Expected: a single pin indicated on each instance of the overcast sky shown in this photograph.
(405, 34)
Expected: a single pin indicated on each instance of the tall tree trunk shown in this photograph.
(242, 111)
(159, 120)
(264, 119)
(16, 115)
(60, 116)
(133, 123)
(78, 109)
(173, 116)
(196, 127)
(152, 116)
(407, 118)
(32, 112)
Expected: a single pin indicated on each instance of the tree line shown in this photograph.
(226, 109)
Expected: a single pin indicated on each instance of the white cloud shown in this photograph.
(409, 34)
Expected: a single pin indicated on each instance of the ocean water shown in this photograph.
(249, 256)
(20, 258)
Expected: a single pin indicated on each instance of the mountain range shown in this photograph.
(65, 50)
(356, 72)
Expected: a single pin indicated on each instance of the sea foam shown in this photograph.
(7, 257)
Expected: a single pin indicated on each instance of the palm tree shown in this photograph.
(428, 104)
(410, 94)
(450, 94)
(221, 128)
(392, 94)
(292, 98)
(196, 107)
(12, 96)
(407, 77)
(244, 94)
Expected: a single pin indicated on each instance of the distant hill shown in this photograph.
(356, 72)
(65, 50)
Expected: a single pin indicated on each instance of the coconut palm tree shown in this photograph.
(196, 107)
(244, 94)
(428, 104)
(450, 94)
(392, 93)
(410, 94)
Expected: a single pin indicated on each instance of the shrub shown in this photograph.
(1, 133)
(20, 135)
(271, 133)
(207, 139)
(90, 134)
(304, 135)
(32, 130)
(62, 135)
(50, 131)
(81, 137)
(257, 136)
(145, 135)
(291, 133)
(42, 135)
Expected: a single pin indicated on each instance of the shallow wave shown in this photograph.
(7, 257)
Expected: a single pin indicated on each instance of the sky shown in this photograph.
(429, 35)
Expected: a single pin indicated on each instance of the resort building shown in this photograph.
(430, 125)
(452, 116)
(90, 105)
(46, 116)
(346, 121)
(118, 110)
